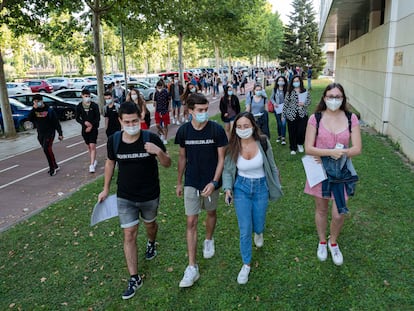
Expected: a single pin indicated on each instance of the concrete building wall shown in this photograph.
(377, 71)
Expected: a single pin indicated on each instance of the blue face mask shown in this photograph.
(258, 93)
(201, 117)
(230, 93)
(296, 84)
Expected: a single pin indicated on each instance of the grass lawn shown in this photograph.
(56, 261)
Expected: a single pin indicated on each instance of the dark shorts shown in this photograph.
(176, 104)
(91, 137)
(129, 212)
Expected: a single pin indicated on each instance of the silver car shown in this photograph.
(59, 83)
(145, 90)
(73, 95)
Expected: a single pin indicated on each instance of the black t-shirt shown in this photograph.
(113, 121)
(138, 178)
(201, 152)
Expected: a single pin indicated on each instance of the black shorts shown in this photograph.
(91, 137)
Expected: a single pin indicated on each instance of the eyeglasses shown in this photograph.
(335, 97)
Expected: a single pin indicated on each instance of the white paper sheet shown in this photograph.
(302, 97)
(104, 210)
(315, 173)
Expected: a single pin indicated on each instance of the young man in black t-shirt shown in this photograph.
(201, 157)
(111, 115)
(137, 154)
(88, 116)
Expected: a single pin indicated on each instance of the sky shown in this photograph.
(284, 8)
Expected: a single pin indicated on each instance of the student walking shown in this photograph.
(47, 123)
(111, 116)
(201, 158)
(137, 153)
(162, 111)
(333, 137)
(251, 178)
(278, 100)
(295, 111)
(88, 116)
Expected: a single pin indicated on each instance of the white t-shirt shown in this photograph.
(252, 168)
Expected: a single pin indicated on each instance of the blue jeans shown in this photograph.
(251, 196)
(281, 125)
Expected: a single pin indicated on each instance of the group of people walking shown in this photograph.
(238, 159)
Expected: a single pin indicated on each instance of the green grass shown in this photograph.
(56, 261)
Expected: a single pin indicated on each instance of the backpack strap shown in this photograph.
(318, 116)
(116, 140)
(117, 136)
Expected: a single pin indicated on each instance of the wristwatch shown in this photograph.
(215, 184)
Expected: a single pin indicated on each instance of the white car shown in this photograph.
(15, 88)
(73, 95)
(60, 83)
(78, 83)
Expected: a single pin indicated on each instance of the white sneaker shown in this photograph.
(243, 276)
(191, 275)
(91, 168)
(177, 122)
(322, 252)
(337, 257)
(173, 121)
(165, 142)
(95, 163)
(293, 152)
(208, 250)
(300, 148)
(162, 137)
(283, 141)
(258, 239)
(183, 120)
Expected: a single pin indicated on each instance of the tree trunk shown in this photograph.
(97, 54)
(217, 55)
(180, 56)
(8, 123)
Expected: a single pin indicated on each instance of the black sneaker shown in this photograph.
(52, 172)
(133, 285)
(57, 168)
(151, 251)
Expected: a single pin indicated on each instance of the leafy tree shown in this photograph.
(22, 16)
(301, 45)
(63, 36)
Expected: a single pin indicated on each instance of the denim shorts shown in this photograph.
(194, 202)
(129, 212)
(176, 103)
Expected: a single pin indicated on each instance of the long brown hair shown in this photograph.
(234, 146)
(141, 104)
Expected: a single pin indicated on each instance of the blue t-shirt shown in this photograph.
(201, 152)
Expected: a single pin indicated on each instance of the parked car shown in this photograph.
(59, 83)
(39, 86)
(65, 110)
(20, 115)
(171, 75)
(93, 87)
(14, 88)
(145, 90)
(90, 79)
(78, 83)
(73, 95)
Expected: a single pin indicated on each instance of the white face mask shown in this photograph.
(244, 134)
(333, 104)
(134, 96)
(132, 130)
(108, 101)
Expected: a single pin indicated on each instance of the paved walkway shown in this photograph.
(26, 189)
